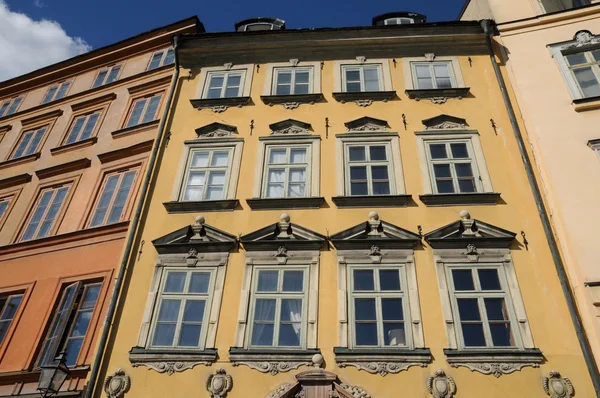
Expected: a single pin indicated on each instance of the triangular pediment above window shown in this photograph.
(469, 231)
(284, 234)
(374, 232)
(198, 237)
(216, 130)
(366, 123)
(445, 122)
(290, 127)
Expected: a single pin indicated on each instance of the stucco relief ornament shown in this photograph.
(438, 100)
(447, 126)
(281, 255)
(557, 386)
(440, 385)
(219, 108)
(291, 105)
(364, 102)
(584, 38)
(117, 384)
(219, 384)
(381, 368)
(280, 391)
(355, 391)
(496, 369)
(218, 133)
(291, 130)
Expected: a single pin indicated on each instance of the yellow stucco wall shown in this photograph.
(550, 323)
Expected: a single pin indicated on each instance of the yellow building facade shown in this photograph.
(340, 213)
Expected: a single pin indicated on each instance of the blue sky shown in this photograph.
(102, 22)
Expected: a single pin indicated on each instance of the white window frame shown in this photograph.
(367, 164)
(163, 57)
(556, 50)
(455, 70)
(271, 69)
(247, 71)
(279, 296)
(293, 72)
(313, 156)
(451, 161)
(234, 145)
(403, 260)
(395, 171)
(307, 260)
(398, 21)
(429, 136)
(385, 77)
(361, 70)
(286, 167)
(447, 259)
(432, 72)
(215, 263)
(183, 297)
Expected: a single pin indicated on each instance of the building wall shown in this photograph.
(546, 310)
(559, 135)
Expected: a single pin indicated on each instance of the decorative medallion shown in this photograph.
(440, 385)
(117, 384)
(557, 386)
(219, 384)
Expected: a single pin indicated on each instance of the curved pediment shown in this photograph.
(445, 122)
(374, 232)
(469, 231)
(198, 237)
(366, 123)
(216, 130)
(290, 127)
(283, 234)
(318, 383)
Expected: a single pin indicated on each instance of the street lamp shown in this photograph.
(53, 376)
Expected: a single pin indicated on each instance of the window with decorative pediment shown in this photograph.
(208, 172)
(486, 322)
(288, 167)
(379, 314)
(180, 319)
(434, 78)
(277, 321)
(452, 163)
(369, 167)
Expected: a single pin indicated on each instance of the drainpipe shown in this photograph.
(114, 299)
(558, 263)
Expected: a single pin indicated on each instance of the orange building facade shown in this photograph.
(75, 138)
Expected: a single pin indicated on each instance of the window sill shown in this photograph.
(438, 95)
(138, 128)
(74, 146)
(285, 203)
(494, 361)
(171, 361)
(382, 361)
(18, 161)
(481, 198)
(364, 98)
(291, 101)
(586, 104)
(205, 205)
(372, 201)
(220, 104)
(274, 360)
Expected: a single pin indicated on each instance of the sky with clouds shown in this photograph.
(37, 33)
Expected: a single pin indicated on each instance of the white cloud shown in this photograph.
(39, 3)
(27, 45)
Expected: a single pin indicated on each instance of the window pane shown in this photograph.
(302, 76)
(289, 335)
(502, 335)
(100, 78)
(89, 126)
(353, 87)
(364, 309)
(267, 281)
(488, 279)
(467, 186)
(199, 282)
(136, 113)
(379, 172)
(216, 178)
(496, 309)
(63, 90)
(576, 59)
(463, 170)
(377, 153)
(391, 309)
(262, 334)
(81, 324)
(52, 212)
(596, 55)
(175, 282)
(363, 280)
(301, 88)
(423, 74)
(366, 334)
(438, 151)
(587, 81)
(190, 335)
(358, 173)
(169, 310)
(164, 334)
(265, 310)
(393, 334)
(291, 310)
(112, 76)
(50, 94)
(381, 188)
(231, 92)
(10, 309)
(473, 335)
(234, 80)
(371, 79)
(389, 280)
(283, 89)
(442, 170)
(214, 93)
(72, 351)
(284, 77)
(150, 114)
(220, 159)
(468, 309)
(296, 190)
(277, 156)
(297, 175)
(275, 191)
(359, 188)
(200, 159)
(459, 150)
(357, 153)
(352, 75)
(463, 279)
(298, 155)
(155, 62)
(216, 81)
(170, 57)
(293, 281)
(75, 130)
(90, 297)
(194, 311)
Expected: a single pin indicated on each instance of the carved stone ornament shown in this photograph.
(440, 385)
(355, 391)
(294, 61)
(368, 127)
(430, 57)
(171, 367)
(273, 367)
(447, 126)
(472, 253)
(219, 108)
(282, 255)
(199, 231)
(468, 224)
(292, 105)
(218, 133)
(382, 368)
(557, 386)
(364, 102)
(584, 38)
(496, 369)
(438, 100)
(280, 391)
(291, 130)
(361, 59)
(117, 384)
(219, 384)
(228, 65)
(284, 225)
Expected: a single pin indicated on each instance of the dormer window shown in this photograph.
(398, 21)
(399, 18)
(261, 23)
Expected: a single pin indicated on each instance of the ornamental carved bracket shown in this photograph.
(496, 369)
(273, 367)
(381, 368)
(171, 367)
(117, 384)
